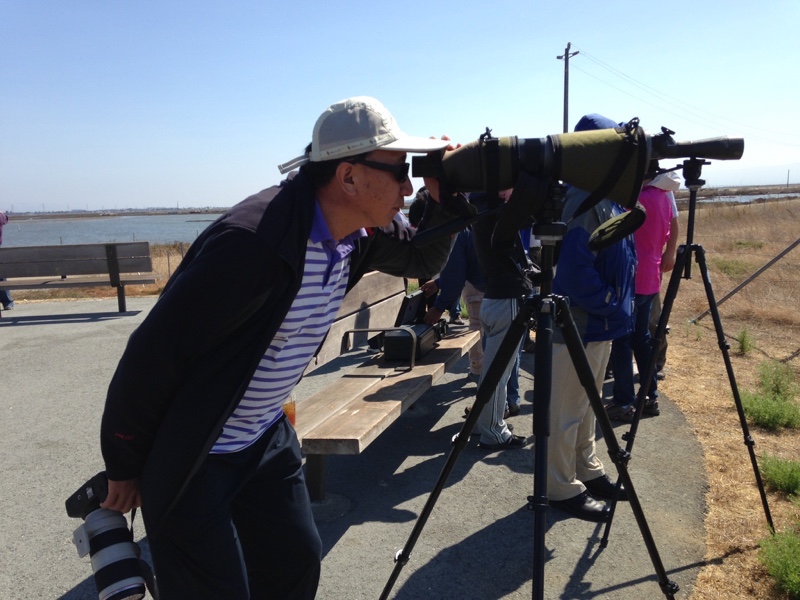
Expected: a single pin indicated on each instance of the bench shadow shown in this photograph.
(416, 437)
(65, 318)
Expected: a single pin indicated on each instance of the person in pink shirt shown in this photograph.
(649, 241)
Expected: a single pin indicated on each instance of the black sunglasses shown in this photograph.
(400, 171)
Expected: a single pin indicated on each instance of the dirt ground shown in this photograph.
(698, 382)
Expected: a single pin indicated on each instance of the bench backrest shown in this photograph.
(75, 259)
(373, 303)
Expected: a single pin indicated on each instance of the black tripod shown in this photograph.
(546, 310)
(691, 173)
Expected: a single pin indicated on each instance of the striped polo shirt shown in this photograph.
(325, 275)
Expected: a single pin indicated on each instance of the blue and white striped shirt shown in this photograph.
(327, 268)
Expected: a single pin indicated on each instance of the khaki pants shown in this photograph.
(571, 450)
(473, 297)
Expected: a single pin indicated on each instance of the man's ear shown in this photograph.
(345, 177)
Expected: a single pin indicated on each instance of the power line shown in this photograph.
(706, 116)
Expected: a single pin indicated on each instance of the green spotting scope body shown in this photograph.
(588, 160)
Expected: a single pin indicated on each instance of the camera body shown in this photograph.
(88, 497)
(104, 535)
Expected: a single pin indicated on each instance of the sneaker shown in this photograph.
(512, 410)
(661, 376)
(457, 321)
(513, 443)
(616, 412)
(651, 407)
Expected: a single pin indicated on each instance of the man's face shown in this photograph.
(381, 196)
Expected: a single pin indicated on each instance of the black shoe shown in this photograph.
(512, 410)
(661, 376)
(513, 443)
(584, 507)
(651, 407)
(603, 487)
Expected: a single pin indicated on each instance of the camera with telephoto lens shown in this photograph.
(104, 535)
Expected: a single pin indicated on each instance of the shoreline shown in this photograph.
(704, 194)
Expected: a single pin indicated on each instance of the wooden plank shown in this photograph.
(382, 314)
(362, 418)
(74, 259)
(315, 409)
(74, 282)
(371, 289)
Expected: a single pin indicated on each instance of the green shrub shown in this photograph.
(745, 341)
(777, 380)
(773, 406)
(782, 475)
(780, 554)
(733, 268)
(748, 245)
(770, 413)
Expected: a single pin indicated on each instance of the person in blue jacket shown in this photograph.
(600, 288)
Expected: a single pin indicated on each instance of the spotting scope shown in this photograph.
(616, 159)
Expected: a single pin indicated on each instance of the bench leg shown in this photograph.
(121, 298)
(315, 476)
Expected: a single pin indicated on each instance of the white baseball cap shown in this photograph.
(355, 126)
(669, 181)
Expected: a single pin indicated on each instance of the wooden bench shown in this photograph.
(77, 265)
(351, 411)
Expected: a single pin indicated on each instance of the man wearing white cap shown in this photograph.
(193, 429)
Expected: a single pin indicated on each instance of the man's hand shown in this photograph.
(429, 288)
(433, 315)
(123, 496)
(431, 182)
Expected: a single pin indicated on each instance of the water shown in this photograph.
(156, 229)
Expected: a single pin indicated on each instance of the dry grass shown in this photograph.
(697, 381)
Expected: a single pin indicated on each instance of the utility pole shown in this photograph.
(566, 56)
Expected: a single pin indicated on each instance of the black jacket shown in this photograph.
(186, 367)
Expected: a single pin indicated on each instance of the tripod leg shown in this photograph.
(508, 348)
(724, 346)
(542, 376)
(618, 456)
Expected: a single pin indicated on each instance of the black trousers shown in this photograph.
(243, 528)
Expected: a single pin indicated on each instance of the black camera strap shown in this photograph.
(147, 570)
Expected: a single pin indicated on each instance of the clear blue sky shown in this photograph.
(123, 104)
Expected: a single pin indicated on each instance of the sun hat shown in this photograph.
(669, 181)
(355, 126)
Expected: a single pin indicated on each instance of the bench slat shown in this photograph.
(51, 283)
(362, 418)
(75, 259)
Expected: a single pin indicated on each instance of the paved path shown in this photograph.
(56, 359)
